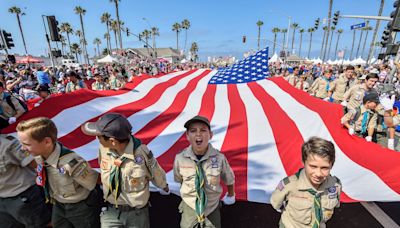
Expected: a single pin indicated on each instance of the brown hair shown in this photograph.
(320, 147)
(39, 128)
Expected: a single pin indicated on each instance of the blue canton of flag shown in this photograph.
(252, 68)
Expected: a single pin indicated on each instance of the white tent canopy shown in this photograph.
(358, 61)
(274, 59)
(107, 59)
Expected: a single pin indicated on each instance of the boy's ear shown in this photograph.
(211, 134)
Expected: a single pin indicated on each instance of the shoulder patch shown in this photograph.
(338, 180)
(10, 137)
(286, 180)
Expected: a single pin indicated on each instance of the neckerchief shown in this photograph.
(201, 196)
(364, 122)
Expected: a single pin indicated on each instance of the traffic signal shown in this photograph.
(140, 37)
(8, 40)
(392, 49)
(335, 18)
(316, 25)
(53, 28)
(395, 15)
(386, 37)
(127, 32)
(244, 39)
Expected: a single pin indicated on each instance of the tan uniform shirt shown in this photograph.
(298, 204)
(292, 79)
(8, 111)
(355, 96)
(340, 86)
(139, 168)
(351, 114)
(303, 85)
(99, 86)
(215, 166)
(71, 87)
(319, 88)
(115, 83)
(15, 175)
(70, 177)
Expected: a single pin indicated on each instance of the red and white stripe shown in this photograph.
(259, 126)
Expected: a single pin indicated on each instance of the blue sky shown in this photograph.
(216, 25)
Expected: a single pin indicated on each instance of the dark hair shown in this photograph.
(350, 68)
(320, 147)
(371, 75)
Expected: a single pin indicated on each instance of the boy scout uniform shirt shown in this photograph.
(98, 86)
(7, 111)
(15, 175)
(70, 177)
(319, 87)
(215, 166)
(303, 85)
(350, 115)
(71, 87)
(355, 95)
(292, 79)
(298, 211)
(135, 174)
(340, 86)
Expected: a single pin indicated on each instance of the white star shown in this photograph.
(254, 79)
(247, 77)
(225, 81)
(259, 70)
(247, 72)
(240, 80)
(253, 73)
(240, 75)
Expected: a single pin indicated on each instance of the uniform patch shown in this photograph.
(214, 180)
(10, 137)
(332, 189)
(150, 154)
(332, 196)
(139, 159)
(104, 165)
(134, 182)
(61, 170)
(280, 186)
(73, 162)
(214, 162)
(80, 169)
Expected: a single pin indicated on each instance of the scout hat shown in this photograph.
(197, 119)
(113, 125)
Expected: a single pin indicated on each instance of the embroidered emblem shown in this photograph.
(104, 165)
(280, 186)
(61, 170)
(214, 162)
(332, 189)
(214, 180)
(139, 159)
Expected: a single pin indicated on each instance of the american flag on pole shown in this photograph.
(258, 123)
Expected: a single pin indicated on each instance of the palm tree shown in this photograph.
(80, 11)
(330, 42)
(194, 49)
(259, 24)
(97, 42)
(185, 25)
(66, 28)
(78, 33)
(105, 18)
(339, 32)
(118, 22)
(177, 28)
(18, 12)
(352, 45)
(325, 28)
(328, 28)
(63, 44)
(114, 27)
(301, 31)
(372, 45)
(107, 37)
(275, 32)
(311, 31)
(294, 26)
(154, 32)
(146, 34)
(368, 28)
(75, 49)
(283, 31)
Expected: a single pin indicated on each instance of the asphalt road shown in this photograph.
(164, 213)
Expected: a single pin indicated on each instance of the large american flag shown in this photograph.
(258, 123)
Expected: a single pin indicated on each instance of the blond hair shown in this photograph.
(39, 128)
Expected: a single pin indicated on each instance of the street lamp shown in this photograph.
(286, 46)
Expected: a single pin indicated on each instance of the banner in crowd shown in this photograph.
(258, 123)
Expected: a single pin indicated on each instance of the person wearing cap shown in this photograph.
(44, 94)
(342, 84)
(21, 201)
(127, 165)
(199, 169)
(362, 120)
(74, 83)
(98, 84)
(67, 179)
(354, 96)
(322, 85)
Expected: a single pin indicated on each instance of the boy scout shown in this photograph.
(363, 119)
(21, 201)
(126, 165)
(303, 84)
(293, 78)
(199, 169)
(321, 85)
(98, 84)
(354, 96)
(342, 84)
(308, 198)
(67, 179)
